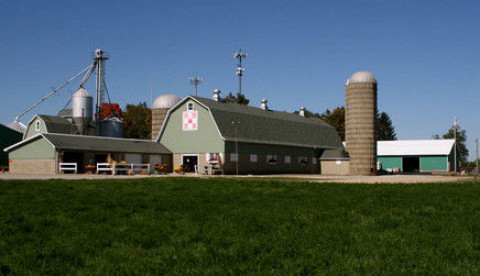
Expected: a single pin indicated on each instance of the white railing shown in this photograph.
(126, 168)
(122, 168)
(208, 169)
(67, 167)
(105, 167)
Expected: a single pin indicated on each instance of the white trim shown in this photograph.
(188, 106)
(28, 125)
(22, 142)
(37, 125)
(178, 105)
(100, 137)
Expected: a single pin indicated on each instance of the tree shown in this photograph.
(108, 109)
(336, 118)
(462, 152)
(239, 98)
(138, 121)
(384, 127)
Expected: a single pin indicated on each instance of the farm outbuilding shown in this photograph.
(411, 156)
(43, 152)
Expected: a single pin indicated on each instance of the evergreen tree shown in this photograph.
(138, 121)
(239, 98)
(462, 151)
(336, 118)
(384, 126)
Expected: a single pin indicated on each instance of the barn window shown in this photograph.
(189, 106)
(288, 159)
(234, 157)
(37, 125)
(302, 160)
(253, 158)
(272, 159)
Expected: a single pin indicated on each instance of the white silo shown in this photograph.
(360, 111)
(82, 109)
(160, 107)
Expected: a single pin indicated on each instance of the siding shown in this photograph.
(31, 128)
(390, 162)
(433, 163)
(37, 149)
(205, 139)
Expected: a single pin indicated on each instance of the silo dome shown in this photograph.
(362, 77)
(165, 101)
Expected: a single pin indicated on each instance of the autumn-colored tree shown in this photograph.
(110, 109)
(336, 118)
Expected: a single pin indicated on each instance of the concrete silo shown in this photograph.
(160, 107)
(360, 110)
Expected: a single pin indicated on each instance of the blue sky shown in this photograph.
(424, 54)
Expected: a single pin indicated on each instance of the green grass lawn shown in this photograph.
(228, 226)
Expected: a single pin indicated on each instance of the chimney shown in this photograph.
(264, 106)
(302, 111)
(216, 95)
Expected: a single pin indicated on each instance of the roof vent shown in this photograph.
(264, 106)
(302, 111)
(216, 95)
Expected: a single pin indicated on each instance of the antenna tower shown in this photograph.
(239, 55)
(195, 81)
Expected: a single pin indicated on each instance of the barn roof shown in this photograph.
(56, 124)
(267, 126)
(415, 147)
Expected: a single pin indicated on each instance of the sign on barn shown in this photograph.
(190, 120)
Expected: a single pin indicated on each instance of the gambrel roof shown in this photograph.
(255, 125)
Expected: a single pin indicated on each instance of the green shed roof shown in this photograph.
(335, 154)
(268, 126)
(98, 143)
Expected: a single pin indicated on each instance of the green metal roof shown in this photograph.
(104, 144)
(56, 124)
(270, 127)
(335, 154)
(97, 143)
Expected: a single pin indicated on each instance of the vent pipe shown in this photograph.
(302, 111)
(264, 106)
(216, 95)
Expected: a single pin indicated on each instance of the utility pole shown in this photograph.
(235, 124)
(455, 148)
(476, 160)
(195, 81)
(239, 55)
